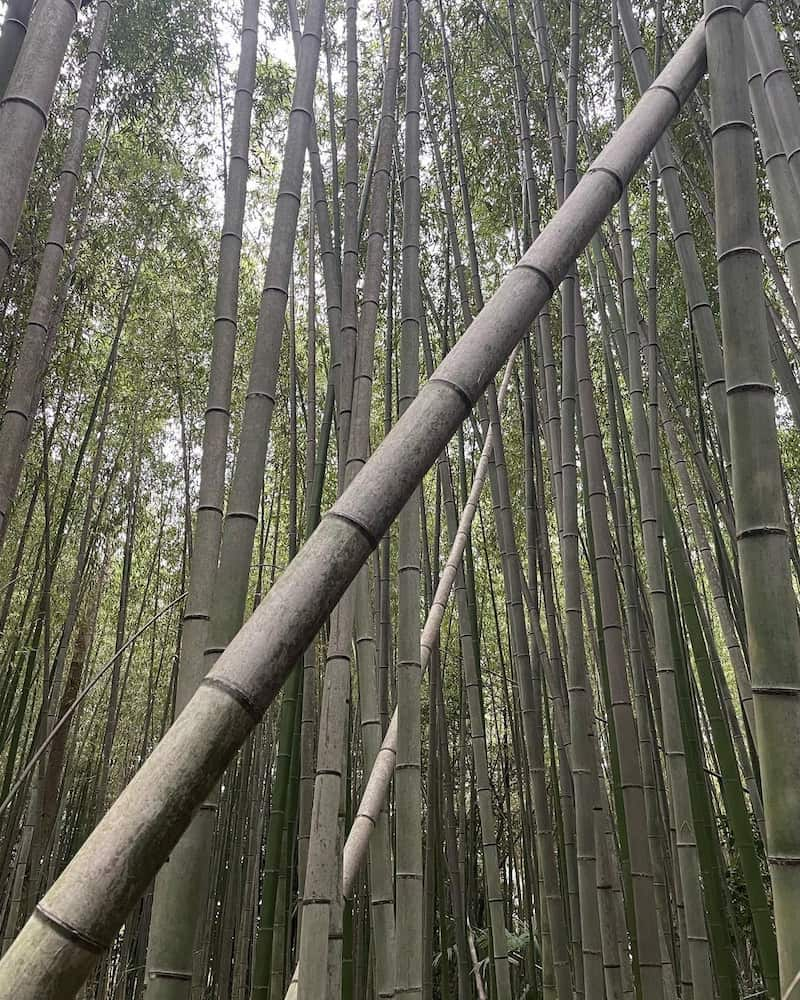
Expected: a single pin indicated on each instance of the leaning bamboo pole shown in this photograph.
(80, 914)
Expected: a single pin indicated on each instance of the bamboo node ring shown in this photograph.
(21, 99)
(67, 930)
(241, 697)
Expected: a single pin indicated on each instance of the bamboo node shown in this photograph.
(21, 99)
(541, 272)
(733, 123)
(184, 977)
(669, 90)
(780, 690)
(752, 387)
(67, 930)
(243, 514)
(356, 523)
(611, 173)
(740, 248)
(723, 9)
(233, 691)
(773, 72)
(465, 397)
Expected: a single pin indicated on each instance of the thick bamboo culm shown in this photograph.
(767, 587)
(79, 915)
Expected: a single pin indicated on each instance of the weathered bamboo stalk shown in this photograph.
(322, 898)
(408, 782)
(12, 35)
(24, 109)
(37, 343)
(774, 639)
(179, 893)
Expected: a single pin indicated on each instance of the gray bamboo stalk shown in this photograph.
(783, 186)
(384, 553)
(698, 957)
(777, 83)
(332, 277)
(408, 781)
(625, 728)
(581, 725)
(179, 892)
(773, 636)
(549, 380)
(584, 777)
(309, 695)
(345, 361)
(37, 345)
(381, 874)
(483, 788)
(732, 644)
(12, 35)
(530, 698)
(81, 912)
(24, 109)
(322, 889)
(376, 787)
(685, 246)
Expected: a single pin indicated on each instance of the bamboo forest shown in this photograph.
(400, 499)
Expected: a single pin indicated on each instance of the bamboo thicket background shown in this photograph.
(585, 618)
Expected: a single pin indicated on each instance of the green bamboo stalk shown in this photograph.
(774, 639)
(408, 784)
(24, 108)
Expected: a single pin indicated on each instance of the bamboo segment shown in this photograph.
(777, 83)
(685, 246)
(322, 899)
(24, 109)
(12, 35)
(774, 639)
